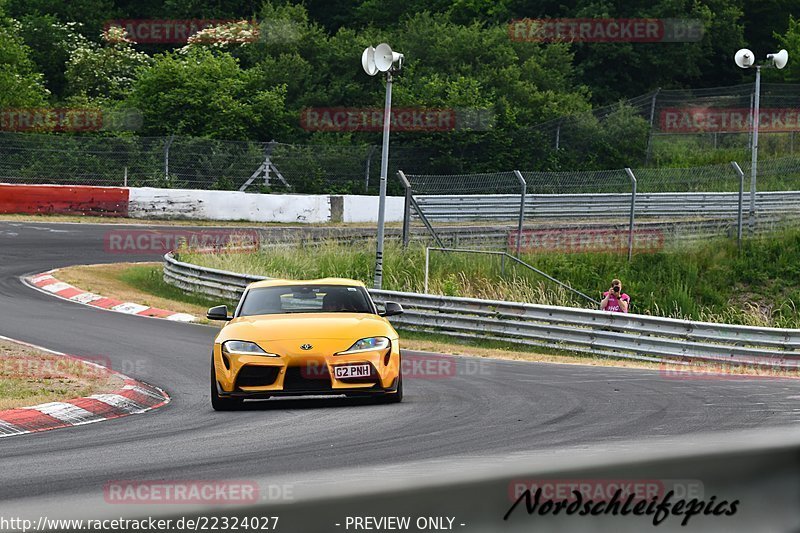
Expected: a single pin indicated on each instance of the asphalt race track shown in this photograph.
(504, 408)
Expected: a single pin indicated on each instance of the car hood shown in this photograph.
(307, 327)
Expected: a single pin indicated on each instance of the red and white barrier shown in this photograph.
(190, 204)
(64, 200)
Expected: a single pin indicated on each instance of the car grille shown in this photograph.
(257, 376)
(297, 379)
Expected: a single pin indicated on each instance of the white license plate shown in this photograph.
(352, 371)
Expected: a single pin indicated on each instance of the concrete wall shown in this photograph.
(365, 208)
(189, 204)
(228, 205)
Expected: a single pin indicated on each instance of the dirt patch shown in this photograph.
(30, 377)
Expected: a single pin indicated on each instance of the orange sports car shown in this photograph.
(298, 338)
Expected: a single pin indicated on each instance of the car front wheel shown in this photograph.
(219, 403)
(394, 397)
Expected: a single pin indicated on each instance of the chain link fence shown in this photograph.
(623, 211)
(198, 163)
(669, 127)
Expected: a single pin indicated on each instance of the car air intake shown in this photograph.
(257, 376)
(300, 378)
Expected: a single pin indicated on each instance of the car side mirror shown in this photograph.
(219, 312)
(392, 309)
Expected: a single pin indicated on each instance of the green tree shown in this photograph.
(206, 93)
(92, 14)
(51, 43)
(476, 69)
(104, 73)
(20, 84)
(622, 70)
(791, 42)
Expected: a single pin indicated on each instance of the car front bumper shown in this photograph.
(253, 376)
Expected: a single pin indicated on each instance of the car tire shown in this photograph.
(218, 403)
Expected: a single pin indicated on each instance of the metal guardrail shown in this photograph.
(454, 208)
(565, 328)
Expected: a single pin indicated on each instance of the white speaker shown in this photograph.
(385, 57)
(744, 58)
(780, 59)
(368, 61)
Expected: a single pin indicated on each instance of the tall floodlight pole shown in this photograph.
(744, 58)
(387, 111)
(756, 119)
(374, 60)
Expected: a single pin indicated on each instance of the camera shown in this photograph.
(615, 288)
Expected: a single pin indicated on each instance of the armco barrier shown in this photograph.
(690, 205)
(566, 328)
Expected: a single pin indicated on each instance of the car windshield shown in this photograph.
(305, 299)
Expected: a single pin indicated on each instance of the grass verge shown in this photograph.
(711, 281)
(140, 283)
(30, 377)
(143, 283)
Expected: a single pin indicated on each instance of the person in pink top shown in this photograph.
(614, 299)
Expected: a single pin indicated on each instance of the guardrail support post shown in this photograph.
(633, 212)
(406, 209)
(413, 203)
(740, 172)
(523, 192)
(427, 265)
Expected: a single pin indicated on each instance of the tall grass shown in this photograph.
(710, 282)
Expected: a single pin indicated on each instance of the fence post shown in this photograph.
(166, 156)
(366, 170)
(650, 134)
(756, 116)
(427, 266)
(633, 212)
(558, 136)
(523, 193)
(740, 172)
(406, 209)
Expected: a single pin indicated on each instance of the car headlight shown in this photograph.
(244, 348)
(370, 344)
